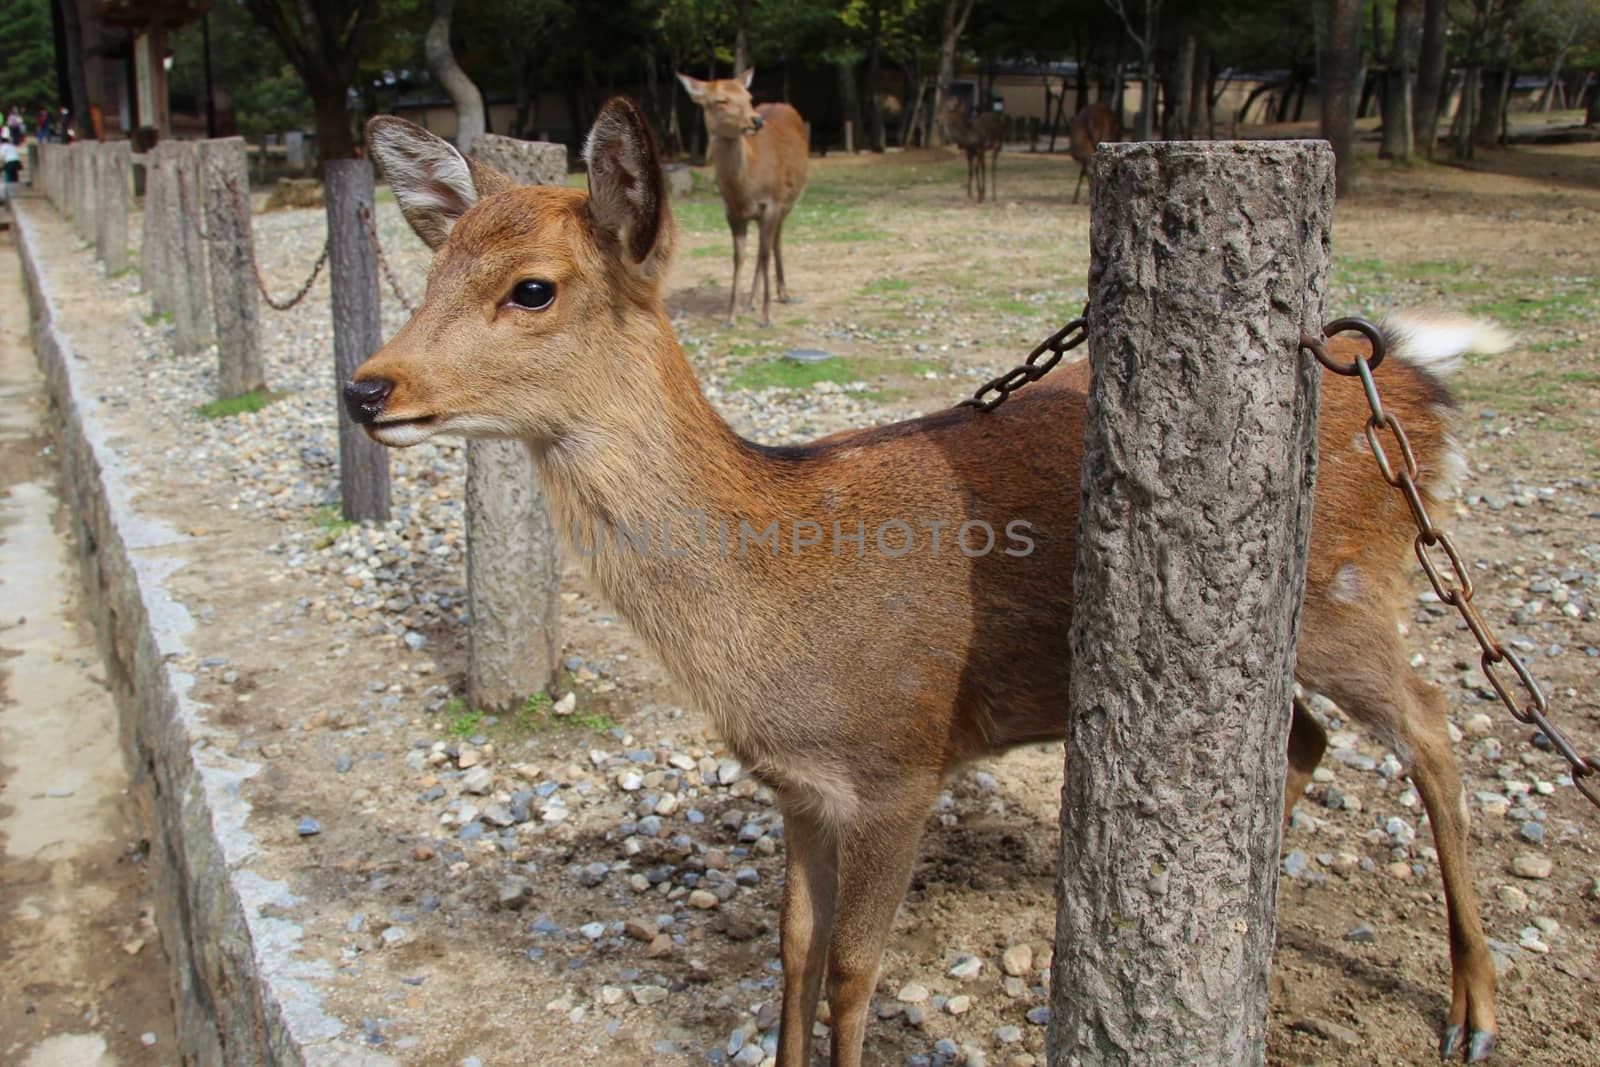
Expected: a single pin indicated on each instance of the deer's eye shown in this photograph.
(533, 294)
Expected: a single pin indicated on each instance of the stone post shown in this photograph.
(111, 215)
(225, 167)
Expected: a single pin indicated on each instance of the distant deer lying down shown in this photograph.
(1092, 126)
(759, 154)
(802, 597)
(978, 138)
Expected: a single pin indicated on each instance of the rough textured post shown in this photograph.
(154, 277)
(225, 168)
(111, 217)
(357, 331)
(1207, 261)
(513, 569)
(182, 282)
(83, 208)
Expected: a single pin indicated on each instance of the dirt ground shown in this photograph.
(923, 294)
(81, 968)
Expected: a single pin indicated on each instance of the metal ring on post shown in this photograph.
(1374, 336)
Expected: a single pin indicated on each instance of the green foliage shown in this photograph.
(248, 69)
(330, 520)
(462, 722)
(254, 400)
(27, 58)
(787, 374)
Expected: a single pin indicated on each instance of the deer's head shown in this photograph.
(525, 324)
(726, 102)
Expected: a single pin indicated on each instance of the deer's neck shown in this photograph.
(731, 162)
(648, 488)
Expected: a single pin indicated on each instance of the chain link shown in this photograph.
(371, 227)
(243, 208)
(1040, 361)
(1456, 591)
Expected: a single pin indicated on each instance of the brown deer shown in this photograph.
(846, 659)
(979, 140)
(1091, 127)
(760, 158)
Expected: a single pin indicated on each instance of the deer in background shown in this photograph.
(979, 140)
(760, 158)
(1091, 126)
(854, 679)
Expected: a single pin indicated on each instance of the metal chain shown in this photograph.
(1455, 589)
(383, 261)
(261, 283)
(1040, 361)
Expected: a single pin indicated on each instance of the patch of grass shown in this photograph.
(460, 721)
(331, 522)
(157, 316)
(254, 400)
(786, 374)
(796, 322)
(886, 285)
(711, 252)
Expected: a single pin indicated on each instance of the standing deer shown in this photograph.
(1091, 127)
(977, 138)
(849, 662)
(759, 154)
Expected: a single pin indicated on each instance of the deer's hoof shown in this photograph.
(1479, 1043)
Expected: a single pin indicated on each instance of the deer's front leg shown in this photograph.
(875, 850)
(739, 228)
(810, 885)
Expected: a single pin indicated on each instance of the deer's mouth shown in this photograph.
(403, 433)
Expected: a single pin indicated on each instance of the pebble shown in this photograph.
(912, 993)
(646, 995)
(958, 1004)
(966, 967)
(703, 900)
(1362, 934)
(1007, 1035)
(1531, 865)
(1017, 960)
(1295, 863)
(1512, 898)
(1532, 832)
(308, 827)
(148, 1039)
(1039, 1016)
(593, 931)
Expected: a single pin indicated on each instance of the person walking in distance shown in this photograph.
(10, 165)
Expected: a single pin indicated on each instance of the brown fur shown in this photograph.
(1090, 127)
(760, 157)
(854, 683)
(979, 140)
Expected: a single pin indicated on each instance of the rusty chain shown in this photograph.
(1039, 362)
(371, 226)
(261, 283)
(1456, 591)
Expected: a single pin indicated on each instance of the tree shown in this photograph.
(1431, 68)
(1340, 68)
(956, 14)
(324, 43)
(1146, 40)
(28, 75)
(1398, 135)
(463, 93)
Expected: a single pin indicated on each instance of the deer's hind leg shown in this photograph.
(768, 226)
(1307, 742)
(784, 296)
(1377, 688)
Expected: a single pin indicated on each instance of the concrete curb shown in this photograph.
(243, 996)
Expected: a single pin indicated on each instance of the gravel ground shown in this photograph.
(595, 877)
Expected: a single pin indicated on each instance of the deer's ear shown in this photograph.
(627, 195)
(432, 182)
(747, 77)
(694, 87)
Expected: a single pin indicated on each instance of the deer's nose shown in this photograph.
(757, 121)
(364, 400)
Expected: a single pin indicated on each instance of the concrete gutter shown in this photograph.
(243, 994)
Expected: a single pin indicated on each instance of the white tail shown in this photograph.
(847, 612)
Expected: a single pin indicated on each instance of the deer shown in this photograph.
(760, 156)
(1093, 125)
(979, 140)
(841, 677)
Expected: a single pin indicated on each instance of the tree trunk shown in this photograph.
(1495, 85)
(442, 61)
(1200, 101)
(1341, 66)
(741, 38)
(874, 100)
(331, 108)
(1398, 136)
(1179, 84)
(956, 13)
(1591, 116)
(1431, 67)
(1192, 547)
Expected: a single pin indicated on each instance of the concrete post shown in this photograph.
(111, 216)
(225, 167)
